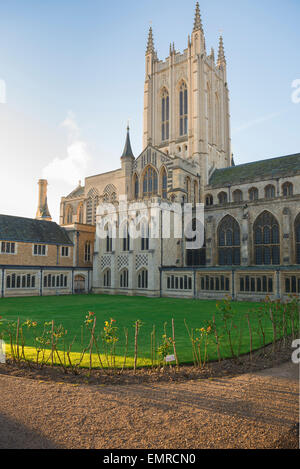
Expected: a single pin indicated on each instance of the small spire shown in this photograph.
(221, 55)
(197, 23)
(127, 149)
(212, 54)
(150, 44)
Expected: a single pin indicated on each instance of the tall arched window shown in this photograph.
(125, 238)
(150, 182)
(195, 257)
(209, 200)
(196, 192)
(107, 278)
(80, 213)
(144, 236)
(164, 183)
(266, 240)
(223, 198)
(229, 241)
(143, 279)
(124, 279)
(287, 189)
(253, 194)
(188, 189)
(270, 192)
(297, 237)
(237, 196)
(183, 109)
(165, 115)
(69, 216)
(136, 186)
(91, 206)
(108, 238)
(87, 252)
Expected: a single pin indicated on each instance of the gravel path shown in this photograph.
(255, 410)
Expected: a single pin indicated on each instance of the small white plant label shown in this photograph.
(170, 358)
(2, 351)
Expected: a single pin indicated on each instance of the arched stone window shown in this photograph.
(196, 192)
(165, 115)
(124, 278)
(223, 198)
(287, 189)
(253, 194)
(143, 279)
(195, 257)
(164, 183)
(183, 109)
(144, 235)
(107, 278)
(209, 200)
(69, 215)
(87, 252)
(125, 237)
(150, 182)
(266, 240)
(229, 241)
(297, 237)
(91, 206)
(188, 189)
(270, 192)
(237, 196)
(108, 231)
(136, 186)
(80, 213)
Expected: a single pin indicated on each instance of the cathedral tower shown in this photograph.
(186, 103)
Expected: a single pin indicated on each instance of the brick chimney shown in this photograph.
(43, 211)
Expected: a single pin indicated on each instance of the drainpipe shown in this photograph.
(2, 286)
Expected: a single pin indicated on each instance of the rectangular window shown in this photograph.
(65, 251)
(39, 250)
(8, 247)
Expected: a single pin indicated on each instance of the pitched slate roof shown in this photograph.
(79, 191)
(271, 168)
(29, 230)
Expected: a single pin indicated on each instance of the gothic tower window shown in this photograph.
(183, 109)
(266, 240)
(150, 182)
(165, 115)
(196, 192)
(297, 236)
(188, 189)
(91, 206)
(229, 241)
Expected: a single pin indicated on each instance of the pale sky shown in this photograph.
(72, 75)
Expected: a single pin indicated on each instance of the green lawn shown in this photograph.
(70, 311)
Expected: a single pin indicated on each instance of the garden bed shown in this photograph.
(259, 360)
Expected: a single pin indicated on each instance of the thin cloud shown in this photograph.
(73, 167)
(255, 122)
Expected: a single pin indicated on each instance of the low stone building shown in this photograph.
(39, 257)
